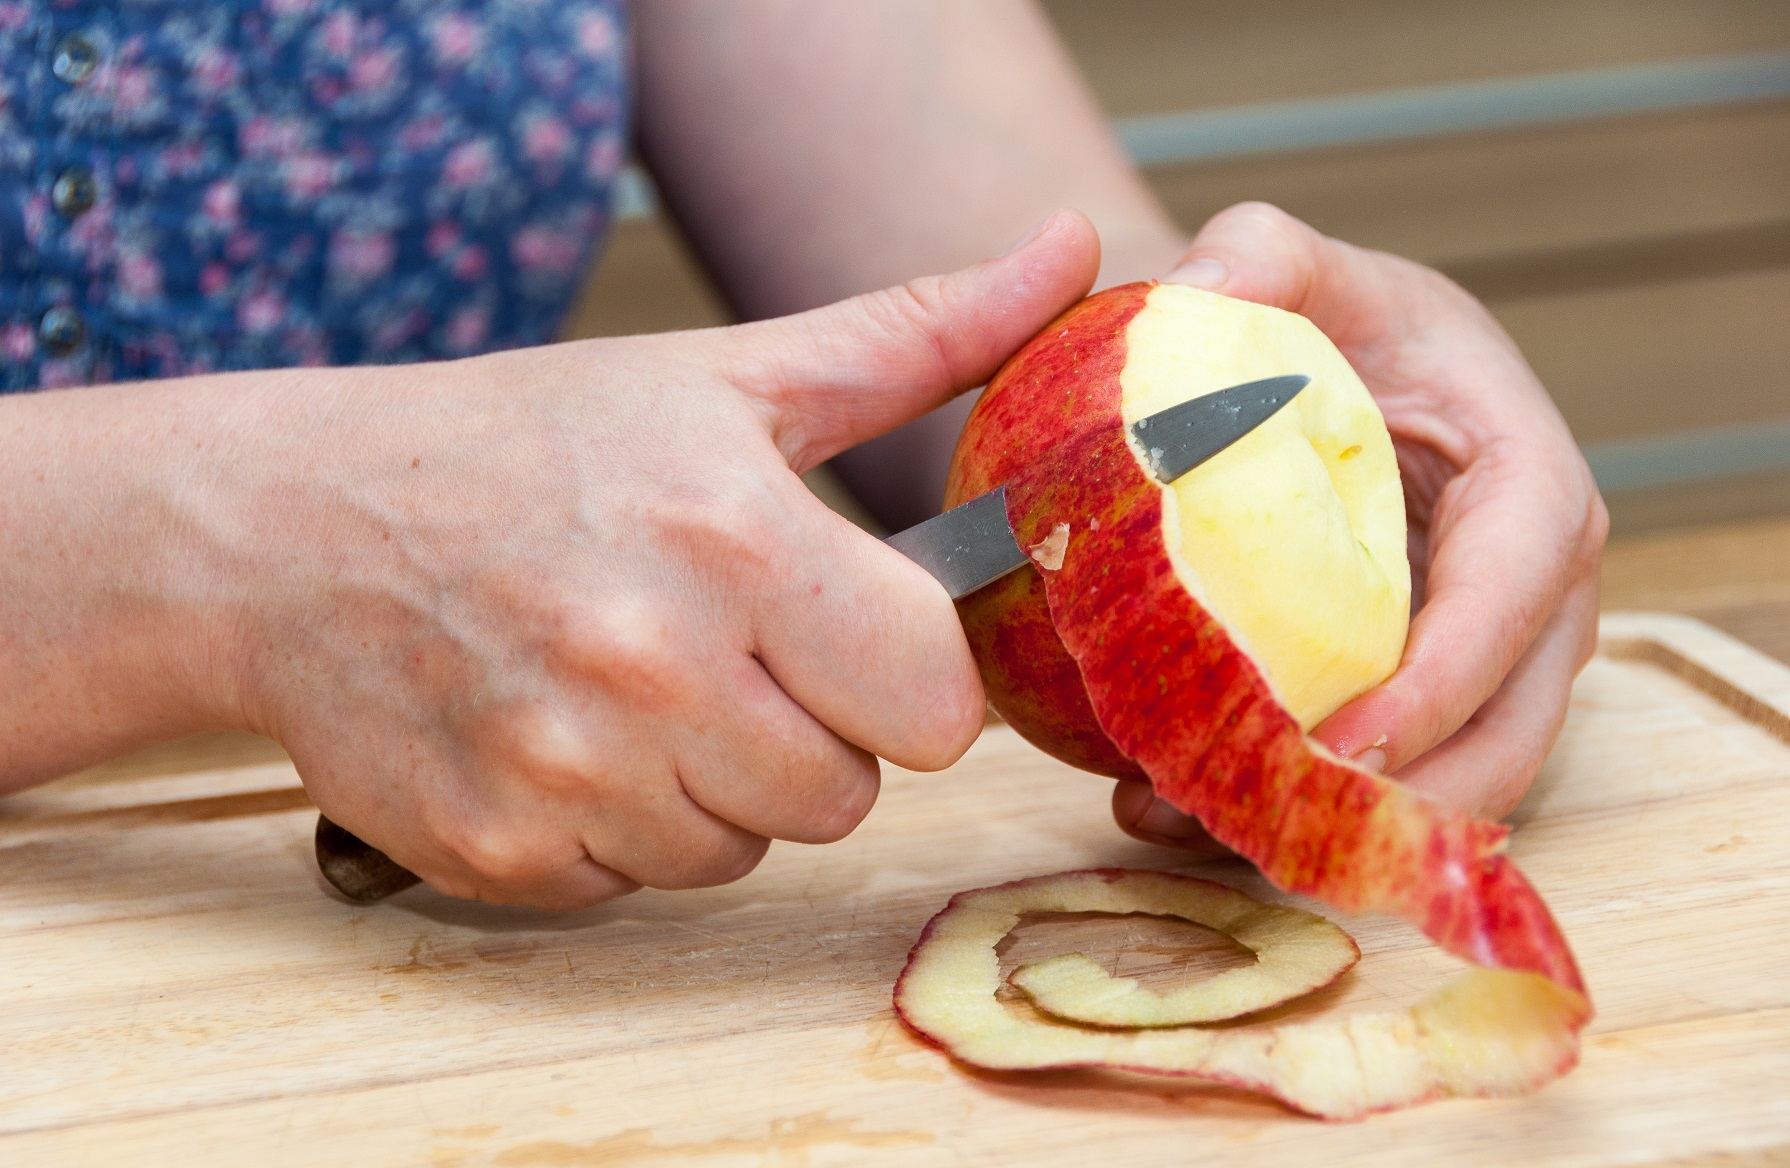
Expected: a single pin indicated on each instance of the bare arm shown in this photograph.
(814, 150)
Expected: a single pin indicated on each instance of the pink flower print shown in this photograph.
(13, 17)
(222, 204)
(374, 71)
(361, 256)
(132, 89)
(546, 140)
(456, 38)
(544, 251)
(18, 342)
(265, 137)
(139, 276)
(470, 164)
(213, 70)
(183, 158)
(400, 329)
(467, 331)
(214, 279)
(597, 35)
(242, 246)
(62, 373)
(472, 263)
(423, 133)
(339, 33)
(305, 345)
(260, 312)
(309, 174)
(36, 215)
(604, 156)
(443, 237)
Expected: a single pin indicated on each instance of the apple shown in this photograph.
(1192, 633)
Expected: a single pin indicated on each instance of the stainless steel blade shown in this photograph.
(972, 544)
(968, 546)
(1182, 437)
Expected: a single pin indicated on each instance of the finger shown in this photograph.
(765, 764)
(1487, 766)
(868, 643)
(582, 784)
(1257, 252)
(579, 885)
(1141, 815)
(1510, 534)
(831, 378)
(460, 853)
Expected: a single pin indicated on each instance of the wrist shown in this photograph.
(120, 620)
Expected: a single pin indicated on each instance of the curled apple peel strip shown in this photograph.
(1490, 1025)
(1145, 653)
(1295, 951)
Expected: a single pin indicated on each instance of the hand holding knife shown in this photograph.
(964, 549)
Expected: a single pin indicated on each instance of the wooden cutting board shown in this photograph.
(178, 986)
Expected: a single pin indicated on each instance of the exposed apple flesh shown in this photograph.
(1296, 951)
(1489, 1032)
(1115, 661)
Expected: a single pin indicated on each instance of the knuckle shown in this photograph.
(912, 311)
(1258, 215)
(628, 647)
(707, 867)
(500, 858)
(849, 798)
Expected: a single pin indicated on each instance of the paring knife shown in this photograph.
(972, 545)
(967, 547)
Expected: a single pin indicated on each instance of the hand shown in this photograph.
(1507, 528)
(550, 625)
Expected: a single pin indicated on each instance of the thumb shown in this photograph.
(836, 376)
(1255, 251)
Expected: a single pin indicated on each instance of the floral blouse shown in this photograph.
(194, 185)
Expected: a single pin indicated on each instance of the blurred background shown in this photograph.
(1611, 176)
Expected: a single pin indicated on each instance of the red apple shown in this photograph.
(1193, 633)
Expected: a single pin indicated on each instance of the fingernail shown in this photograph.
(1373, 758)
(1163, 820)
(1036, 230)
(1204, 272)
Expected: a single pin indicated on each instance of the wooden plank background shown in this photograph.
(1642, 262)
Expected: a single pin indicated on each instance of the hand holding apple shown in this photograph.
(1507, 527)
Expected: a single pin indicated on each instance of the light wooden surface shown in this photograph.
(179, 988)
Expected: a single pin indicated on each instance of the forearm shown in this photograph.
(814, 150)
(119, 611)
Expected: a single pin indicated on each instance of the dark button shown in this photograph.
(75, 59)
(74, 191)
(61, 331)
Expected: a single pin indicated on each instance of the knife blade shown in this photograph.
(966, 548)
(972, 545)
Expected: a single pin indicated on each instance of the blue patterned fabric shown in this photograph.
(232, 184)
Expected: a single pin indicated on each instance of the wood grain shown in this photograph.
(1148, 56)
(183, 990)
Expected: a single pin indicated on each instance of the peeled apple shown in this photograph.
(1192, 633)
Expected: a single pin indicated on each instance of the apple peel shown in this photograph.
(1488, 1032)
(1296, 951)
(1112, 662)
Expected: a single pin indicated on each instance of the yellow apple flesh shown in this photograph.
(1294, 538)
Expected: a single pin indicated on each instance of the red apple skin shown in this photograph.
(1162, 681)
(1050, 387)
